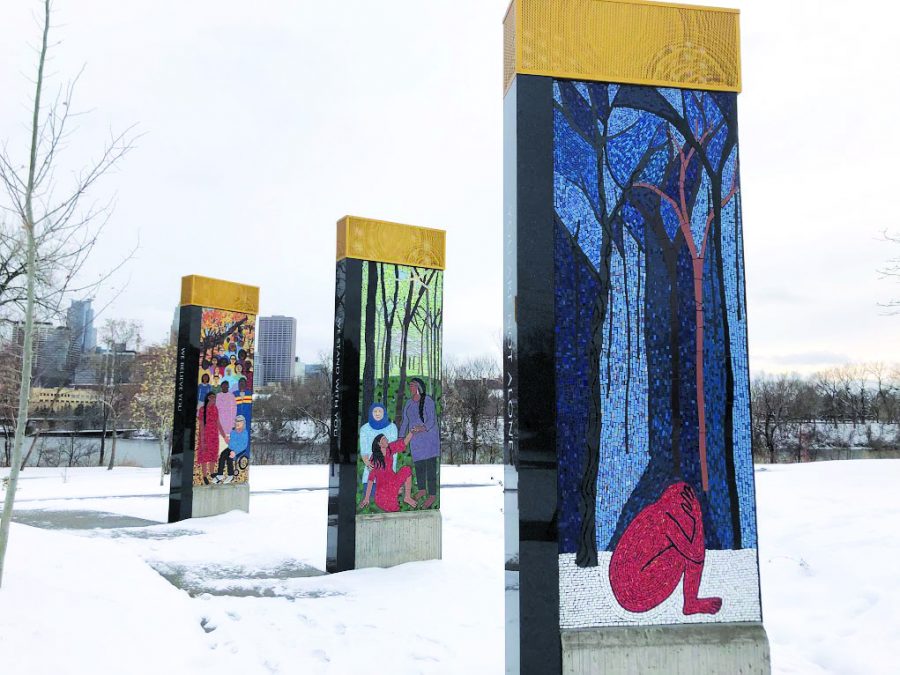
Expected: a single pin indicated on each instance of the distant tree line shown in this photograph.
(804, 418)
(472, 415)
(292, 421)
(832, 414)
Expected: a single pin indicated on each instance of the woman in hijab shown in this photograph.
(378, 423)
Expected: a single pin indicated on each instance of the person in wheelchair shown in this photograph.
(237, 452)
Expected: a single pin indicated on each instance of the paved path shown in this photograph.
(71, 519)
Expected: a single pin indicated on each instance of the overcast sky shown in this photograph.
(265, 122)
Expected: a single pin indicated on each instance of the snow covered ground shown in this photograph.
(244, 593)
(829, 540)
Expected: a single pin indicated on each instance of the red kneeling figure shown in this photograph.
(662, 545)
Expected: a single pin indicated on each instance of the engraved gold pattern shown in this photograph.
(626, 41)
(382, 241)
(219, 294)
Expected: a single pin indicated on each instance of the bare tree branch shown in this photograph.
(44, 249)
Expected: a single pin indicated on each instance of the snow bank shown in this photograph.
(98, 603)
(73, 605)
(829, 546)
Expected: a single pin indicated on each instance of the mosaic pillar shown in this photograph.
(630, 504)
(384, 486)
(213, 398)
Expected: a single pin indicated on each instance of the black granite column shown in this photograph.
(529, 372)
(181, 479)
(344, 406)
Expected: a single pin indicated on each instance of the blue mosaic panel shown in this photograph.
(651, 338)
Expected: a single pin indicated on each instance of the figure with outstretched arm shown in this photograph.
(662, 545)
(420, 416)
(390, 483)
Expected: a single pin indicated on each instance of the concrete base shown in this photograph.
(388, 539)
(726, 648)
(211, 500)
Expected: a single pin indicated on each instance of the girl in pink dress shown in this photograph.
(382, 472)
(210, 430)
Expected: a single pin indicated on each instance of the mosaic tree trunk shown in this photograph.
(629, 483)
(213, 398)
(384, 494)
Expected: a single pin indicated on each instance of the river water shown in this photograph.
(129, 451)
(145, 453)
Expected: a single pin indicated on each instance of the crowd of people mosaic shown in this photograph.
(655, 471)
(225, 397)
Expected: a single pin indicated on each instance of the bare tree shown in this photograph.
(113, 392)
(51, 227)
(827, 383)
(885, 384)
(10, 383)
(454, 430)
(854, 379)
(314, 399)
(854, 405)
(153, 405)
(307, 400)
(419, 282)
(471, 395)
(772, 398)
(73, 453)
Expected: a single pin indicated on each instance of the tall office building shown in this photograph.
(42, 330)
(276, 348)
(82, 336)
(52, 358)
(80, 321)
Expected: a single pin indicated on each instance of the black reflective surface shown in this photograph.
(530, 378)
(184, 421)
(341, 553)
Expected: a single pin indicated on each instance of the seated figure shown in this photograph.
(662, 545)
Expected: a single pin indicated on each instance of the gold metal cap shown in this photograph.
(382, 241)
(625, 41)
(207, 292)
